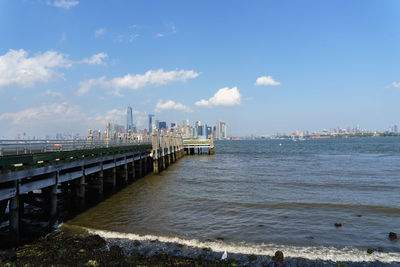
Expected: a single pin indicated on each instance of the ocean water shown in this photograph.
(260, 196)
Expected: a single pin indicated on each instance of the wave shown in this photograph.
(346, 254)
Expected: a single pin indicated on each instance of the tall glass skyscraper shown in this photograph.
(151, 123)
(130, 127)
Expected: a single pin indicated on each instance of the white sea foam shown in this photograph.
(312, 253)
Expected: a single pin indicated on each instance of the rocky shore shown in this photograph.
(66, 248)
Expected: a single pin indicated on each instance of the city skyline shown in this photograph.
(262, 67)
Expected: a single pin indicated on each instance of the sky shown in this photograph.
(264, 67)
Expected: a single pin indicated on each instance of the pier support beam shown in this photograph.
(125, 174)
(155, 166)
(52, 191)
(14, 218)
(146, 170)
(79, 192)
(133, 171)
(3, 206)
(111, 179)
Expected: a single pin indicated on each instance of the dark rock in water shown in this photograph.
(7, 255)
(220, 238)
(261, 225)
(252, 257)
(136, 243)
(370, 251)
(116, 253)
(94, 241)
(337, 225)
(279, 256)
(392, 236)
(359, 215)
(209, 240)
(309, 237)
(206, 249)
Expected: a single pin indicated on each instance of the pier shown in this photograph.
(193, 146)
(40, 172)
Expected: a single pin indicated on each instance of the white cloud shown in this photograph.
(86, 86)
(396, 84)
(52, 113)
(52, 118)
(266, 81)
(17, 68)
(99, 32)
(133, 37)
(159, 35)
(96, 59)
(223, 97)
(171, 105)
(54, 94)
(134, 82)
(134, 26)
(63, 3)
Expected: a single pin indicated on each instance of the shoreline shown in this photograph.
(76, 246)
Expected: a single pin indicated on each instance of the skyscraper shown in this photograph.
(151, 123)
(130, 127)
(220, 130)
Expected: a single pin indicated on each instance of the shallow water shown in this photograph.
(270, 194)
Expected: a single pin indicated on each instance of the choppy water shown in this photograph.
(258, 196)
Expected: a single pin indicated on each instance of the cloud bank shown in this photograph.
(17, 68)
(135, 82)
(223, 97)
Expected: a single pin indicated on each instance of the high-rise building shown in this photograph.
(162, 125)
(151, 123)
(130, 127)
(208, 131)
(220, 130)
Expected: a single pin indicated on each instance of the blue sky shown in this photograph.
(262, 66)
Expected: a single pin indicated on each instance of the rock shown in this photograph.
(392, 236)
(7, 255)
(94, 241)
(136, 243)
(115, 253)
(92, 263)
(206, 249)
(370, 251)
(279, 256)
(220, 238)
(252, 257)
(337, 225)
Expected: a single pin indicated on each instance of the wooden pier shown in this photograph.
(193, 146)
(40, 172)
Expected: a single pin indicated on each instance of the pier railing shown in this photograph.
(20, 147)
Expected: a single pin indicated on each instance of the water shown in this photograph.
(259, 196)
